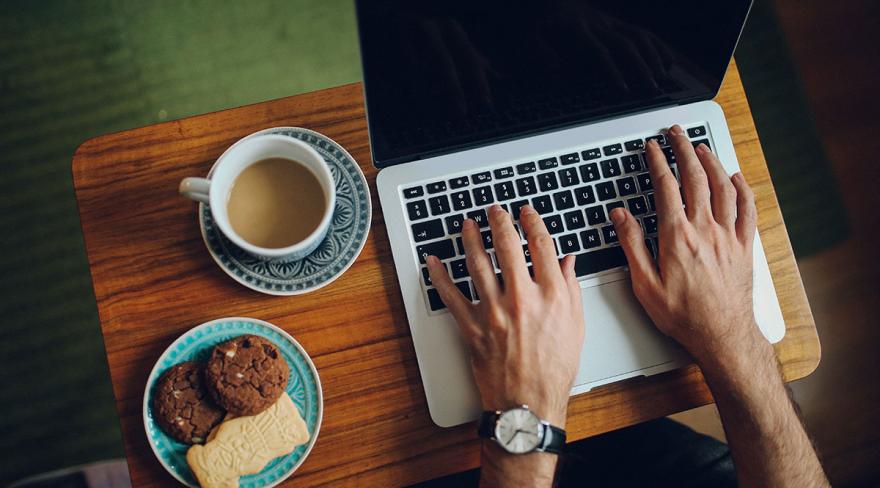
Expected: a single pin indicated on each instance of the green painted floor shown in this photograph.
(73, 70)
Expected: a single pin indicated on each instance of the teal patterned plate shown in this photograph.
(304, 388)
(344, 242)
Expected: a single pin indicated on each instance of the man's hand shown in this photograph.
(525, 335)
(699, 292)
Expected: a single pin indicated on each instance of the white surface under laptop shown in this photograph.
(620, 340)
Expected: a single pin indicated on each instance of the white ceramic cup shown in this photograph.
(215, 191)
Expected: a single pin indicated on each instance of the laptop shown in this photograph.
(472, 103)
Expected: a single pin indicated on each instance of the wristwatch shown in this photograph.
(520, 431)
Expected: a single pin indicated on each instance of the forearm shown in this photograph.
(502, 469)
(767, 440)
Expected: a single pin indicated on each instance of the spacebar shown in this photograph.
(599, 260)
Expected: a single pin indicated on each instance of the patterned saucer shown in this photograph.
(344, 242)
(303, 387)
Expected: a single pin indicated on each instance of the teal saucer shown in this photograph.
(304, 388)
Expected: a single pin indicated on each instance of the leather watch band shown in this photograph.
(554, 440)
(486, 425)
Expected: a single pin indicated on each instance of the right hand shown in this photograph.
(700, 290)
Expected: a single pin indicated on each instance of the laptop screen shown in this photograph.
(447, 75)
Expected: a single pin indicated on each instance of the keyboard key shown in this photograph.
(637, 205)
(548, 163)
(426, 277)
(569, 177)
(611, 206)
(610, 168)
(650, 223)
(526, 186)
(465, 288)
(480, 217)
(570, 158)
(430, 229)
(694, 132)
(413, 192)
(461, 200)
(650, 246)
(701, 141)
(670, 155)
(589, 172)
(483, 195)
(504, 191)
(458, 268)
(460, 182)
(434, 300)
(595, 215)
(626, 186)
(660, 138)
(605, 191)
(591, 154)
(527, 253)
(442, 249)
(542, 204)
(417, 210)
(503, 173)
(459, 243)
(599, 260)
(584, 195)
(569, 244)
(453, 223)
(483, 177)
(636, 145)
(515, 206)
(645, 183)
(563, 200)
(609, 234)
(590, 238)
(651, 203)
(439, 204)
(524, 168)
(487, 239)
(547, 181)
(631, 163)
(436, 187)
(612, 150)
(574, 220)
(554, 224)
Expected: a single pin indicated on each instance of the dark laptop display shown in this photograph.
(451, 74)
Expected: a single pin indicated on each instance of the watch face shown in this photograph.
(519, 430)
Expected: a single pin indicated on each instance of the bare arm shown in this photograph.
(700, 293)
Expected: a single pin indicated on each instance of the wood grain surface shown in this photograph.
(154, 279)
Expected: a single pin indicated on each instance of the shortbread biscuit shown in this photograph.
(244, 445)
(246, 375)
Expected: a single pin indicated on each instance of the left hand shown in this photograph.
(525, 336)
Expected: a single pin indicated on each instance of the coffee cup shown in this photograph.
(217, 191)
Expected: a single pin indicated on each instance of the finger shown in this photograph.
(723, 194)
(746, 212)
(541, 246)
(632, 240)
(458, 305)
(666, 193)
(508, 248)
(568, 272)
(479, 264)
(693, 177)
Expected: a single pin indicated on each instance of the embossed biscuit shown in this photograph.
(246, 375)
(244, 445)
(182, 406)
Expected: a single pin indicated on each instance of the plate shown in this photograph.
(303, 387)
(336, 253)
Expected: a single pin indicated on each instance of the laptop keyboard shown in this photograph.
(574, 191)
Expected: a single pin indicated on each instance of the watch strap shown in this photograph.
(554, 440)
(486, 425)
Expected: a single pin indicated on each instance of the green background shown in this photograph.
(72, 70)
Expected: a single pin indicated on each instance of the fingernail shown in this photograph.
(468, 223)
(675, 130)
(702, 147)
(494, 208)
(653, 143)
(526, 210)
(431, 260)
(617, 216)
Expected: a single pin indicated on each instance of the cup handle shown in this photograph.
(195, 188)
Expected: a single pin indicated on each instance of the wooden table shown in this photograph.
(154, 279)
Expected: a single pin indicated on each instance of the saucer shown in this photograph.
(303, 387)
(336, 253)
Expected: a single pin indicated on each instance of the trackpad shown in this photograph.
(620, 338)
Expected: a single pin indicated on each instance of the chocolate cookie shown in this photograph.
(246, 375)
(182, 406)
